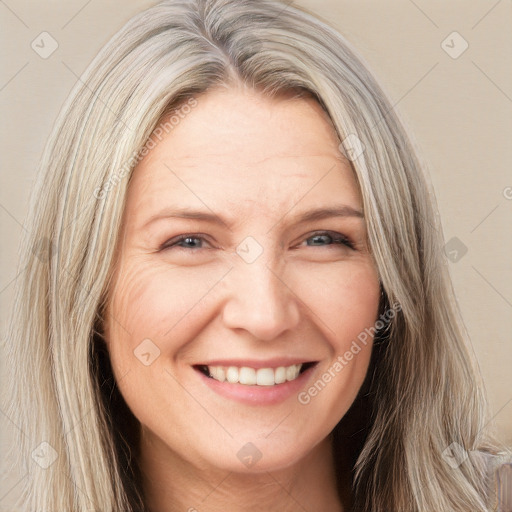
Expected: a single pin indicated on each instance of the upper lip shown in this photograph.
(258, 363)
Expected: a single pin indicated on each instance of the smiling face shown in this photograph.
(242, 255)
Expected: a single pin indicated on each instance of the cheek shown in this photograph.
(149, 305)
(344, 297)
(346, 302)
(155, 301)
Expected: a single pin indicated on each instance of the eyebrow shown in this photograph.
(210, 216)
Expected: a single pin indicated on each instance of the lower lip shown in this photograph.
(258, 395)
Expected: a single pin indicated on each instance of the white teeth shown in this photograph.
(290, 373)
(218, 373)
(280, 375)
(265, 377)
(232, 374)
(251, 376)
(247, 376)
(221, 374)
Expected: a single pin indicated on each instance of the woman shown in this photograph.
(238, 298)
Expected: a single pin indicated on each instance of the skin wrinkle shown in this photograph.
(310, 301)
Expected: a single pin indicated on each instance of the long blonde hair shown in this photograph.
(421, 395)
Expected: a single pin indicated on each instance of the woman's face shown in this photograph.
(243, 255)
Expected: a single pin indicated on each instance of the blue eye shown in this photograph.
(185, 242)
(327, 238)
(190, 242)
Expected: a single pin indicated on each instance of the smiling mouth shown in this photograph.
(255, 376)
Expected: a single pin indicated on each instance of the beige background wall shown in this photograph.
(460, 110)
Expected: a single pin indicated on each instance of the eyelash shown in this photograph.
(337, 239)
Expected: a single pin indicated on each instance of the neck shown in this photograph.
(172, 484)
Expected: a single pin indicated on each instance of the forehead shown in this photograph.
(237, 149)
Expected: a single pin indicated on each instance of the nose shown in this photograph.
(260, 302)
